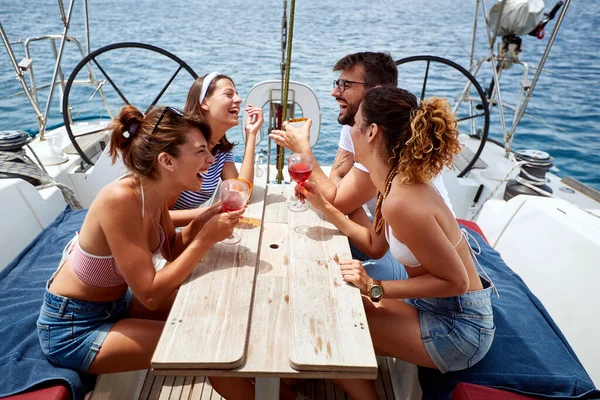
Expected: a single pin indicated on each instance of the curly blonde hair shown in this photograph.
(420, 140)
(433, 143)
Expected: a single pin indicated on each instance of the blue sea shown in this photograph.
(243, 40)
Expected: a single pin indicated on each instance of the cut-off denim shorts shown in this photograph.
(71, 332)
(457, 331)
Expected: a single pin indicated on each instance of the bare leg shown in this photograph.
(359, 389)
(395, 331)
(128, 346)
(233, 388)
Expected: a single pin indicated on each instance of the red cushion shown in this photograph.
(472, 225)
(469, 391)
(57, 391)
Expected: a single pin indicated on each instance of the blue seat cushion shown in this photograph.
(529, 354)
(22, 284)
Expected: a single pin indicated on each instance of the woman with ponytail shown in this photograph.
(105, 306)
(441, 317)
(214, 99)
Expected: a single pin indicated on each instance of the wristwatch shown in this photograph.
(375, 291)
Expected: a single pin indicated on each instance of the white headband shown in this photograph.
(206, 83)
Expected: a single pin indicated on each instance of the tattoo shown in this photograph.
(345, 159)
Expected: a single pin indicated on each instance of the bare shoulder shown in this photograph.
(406, 207)
(117, 196)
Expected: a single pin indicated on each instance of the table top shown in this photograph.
(283, 310)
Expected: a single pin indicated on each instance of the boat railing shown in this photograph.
(504, 58)
(58, 78)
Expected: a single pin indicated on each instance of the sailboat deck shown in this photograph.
(144, 385)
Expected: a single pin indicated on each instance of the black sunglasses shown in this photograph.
(174, 110)
(342, 84)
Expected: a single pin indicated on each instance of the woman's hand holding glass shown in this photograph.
(234, 195)
(300, 167)
(220, 226)
(309, 191)
(205, 214)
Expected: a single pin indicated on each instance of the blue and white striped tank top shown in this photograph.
(189, 200)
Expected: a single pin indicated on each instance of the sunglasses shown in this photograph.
(174, 110)
(342, 84)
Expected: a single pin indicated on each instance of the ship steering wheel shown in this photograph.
(96, 79)
(450, 80)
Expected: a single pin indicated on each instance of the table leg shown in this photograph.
(266, 388)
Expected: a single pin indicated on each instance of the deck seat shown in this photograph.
(469, 391)
(48, 391)
(144, 385)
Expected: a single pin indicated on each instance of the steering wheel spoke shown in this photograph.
(445, 78)
(105, 65)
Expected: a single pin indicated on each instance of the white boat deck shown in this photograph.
(552, 244)
(143, 385)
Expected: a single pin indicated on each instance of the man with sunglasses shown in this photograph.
(349, 185)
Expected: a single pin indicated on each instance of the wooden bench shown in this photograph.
(143, 385)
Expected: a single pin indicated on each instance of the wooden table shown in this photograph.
(272, 306)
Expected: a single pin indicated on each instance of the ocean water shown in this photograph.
(242, 40)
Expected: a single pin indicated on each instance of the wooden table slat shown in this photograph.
(297, 277)
(208, 325)
(337, 340)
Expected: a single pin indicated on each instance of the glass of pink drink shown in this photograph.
(299, 166)
(233, 194)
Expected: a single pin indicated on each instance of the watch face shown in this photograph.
(376, 291)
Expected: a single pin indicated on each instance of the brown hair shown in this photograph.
(192, 107)
(418, 139)
(139, 147)
(380, 68)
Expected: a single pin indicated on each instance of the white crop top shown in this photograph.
(400, 251)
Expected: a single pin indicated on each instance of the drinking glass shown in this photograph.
(234, 195)
(299, 166)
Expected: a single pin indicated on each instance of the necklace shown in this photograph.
(380, 197)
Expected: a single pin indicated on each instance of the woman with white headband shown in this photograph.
(215, 99)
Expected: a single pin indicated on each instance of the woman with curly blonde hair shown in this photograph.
(441, 317)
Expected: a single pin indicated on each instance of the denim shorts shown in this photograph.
(457, 331)
(71, 332)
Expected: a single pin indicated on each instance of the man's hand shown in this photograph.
(297, 140)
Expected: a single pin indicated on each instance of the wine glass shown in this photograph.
(233, 194)
(299, 166)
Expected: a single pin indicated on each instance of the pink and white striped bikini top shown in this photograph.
(100, 271)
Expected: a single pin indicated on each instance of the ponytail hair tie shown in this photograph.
(131, 131)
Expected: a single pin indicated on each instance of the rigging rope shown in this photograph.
(286, 86)
(9, 164)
